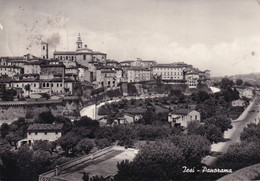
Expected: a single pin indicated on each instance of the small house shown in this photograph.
(182, 117)
(238, 103)
(45, 132)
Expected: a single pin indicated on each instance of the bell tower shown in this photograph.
(79, 42)
(44, 50)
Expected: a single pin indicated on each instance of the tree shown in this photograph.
(226, 83)
(239, 82)
(8, 95)
(251, 134)
(85, 146)
(27, 87)
(46, 117)
(4, 129)
(239, 155)
(222, 122)
(194, 147)
(45, 95)
(85, 176)
(68, 142)
(195, 128)
(213, 133)
(13, 138)
(157, 161)
(44, 146)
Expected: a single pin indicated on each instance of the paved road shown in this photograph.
(90, 110)
(250, 115)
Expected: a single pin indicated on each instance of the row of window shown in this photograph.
(167, 68)
(36, 133)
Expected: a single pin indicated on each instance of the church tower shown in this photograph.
(79, 42)
(44, 50)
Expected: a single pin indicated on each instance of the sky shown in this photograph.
(222, 36)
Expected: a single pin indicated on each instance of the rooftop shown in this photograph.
(182, 111)
(45, 127)
(135, 110)
(64, 53)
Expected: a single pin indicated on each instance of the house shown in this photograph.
(247, 93)
(238, 103)
(182, 117)
(132, 115)
(45, 132)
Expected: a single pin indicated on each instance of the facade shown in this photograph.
(108, 77)
(32, 67)
(135, 74)
(183, 117)
(173, 73)
(132, 115)
(53, 69)
(10, 70)
(45, 132)
(143, 63)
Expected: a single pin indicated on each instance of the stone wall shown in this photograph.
(10, 113)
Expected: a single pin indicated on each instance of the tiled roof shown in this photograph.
(97, 52)
(64, 53)
(45, 127)
(135, 110)
(172, 65)
(182, 111)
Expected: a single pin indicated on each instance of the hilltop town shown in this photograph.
(81, 76)
(79, 110)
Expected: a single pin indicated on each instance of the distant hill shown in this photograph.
(252, 78)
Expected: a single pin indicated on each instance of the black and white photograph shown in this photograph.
(129, 90)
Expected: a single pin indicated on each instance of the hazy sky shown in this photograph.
(220, 35)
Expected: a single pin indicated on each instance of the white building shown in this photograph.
(135, 74)
(172, 73)
(45, 132)
(183, 117)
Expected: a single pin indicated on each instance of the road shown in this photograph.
(250, 115)
(91, 110)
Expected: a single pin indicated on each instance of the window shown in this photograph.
(196, 117)
(84, 57)
(29, 133)
(45, 133)
(57, 85)
(36, 133)
(56, 133)
(43, 47)
(66, 57)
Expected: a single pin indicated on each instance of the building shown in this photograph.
(82, 55)
(247, 93)
(182, 117)
(108, 77)
(170, 73)
(135, 74)
(45, 132)
(132, 115)
(10, 70)
(139, 63)
(44, 50)
(53, 69)
(143, 63)
(32, 67)
(238, 103)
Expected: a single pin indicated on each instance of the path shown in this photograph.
(250, 115)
